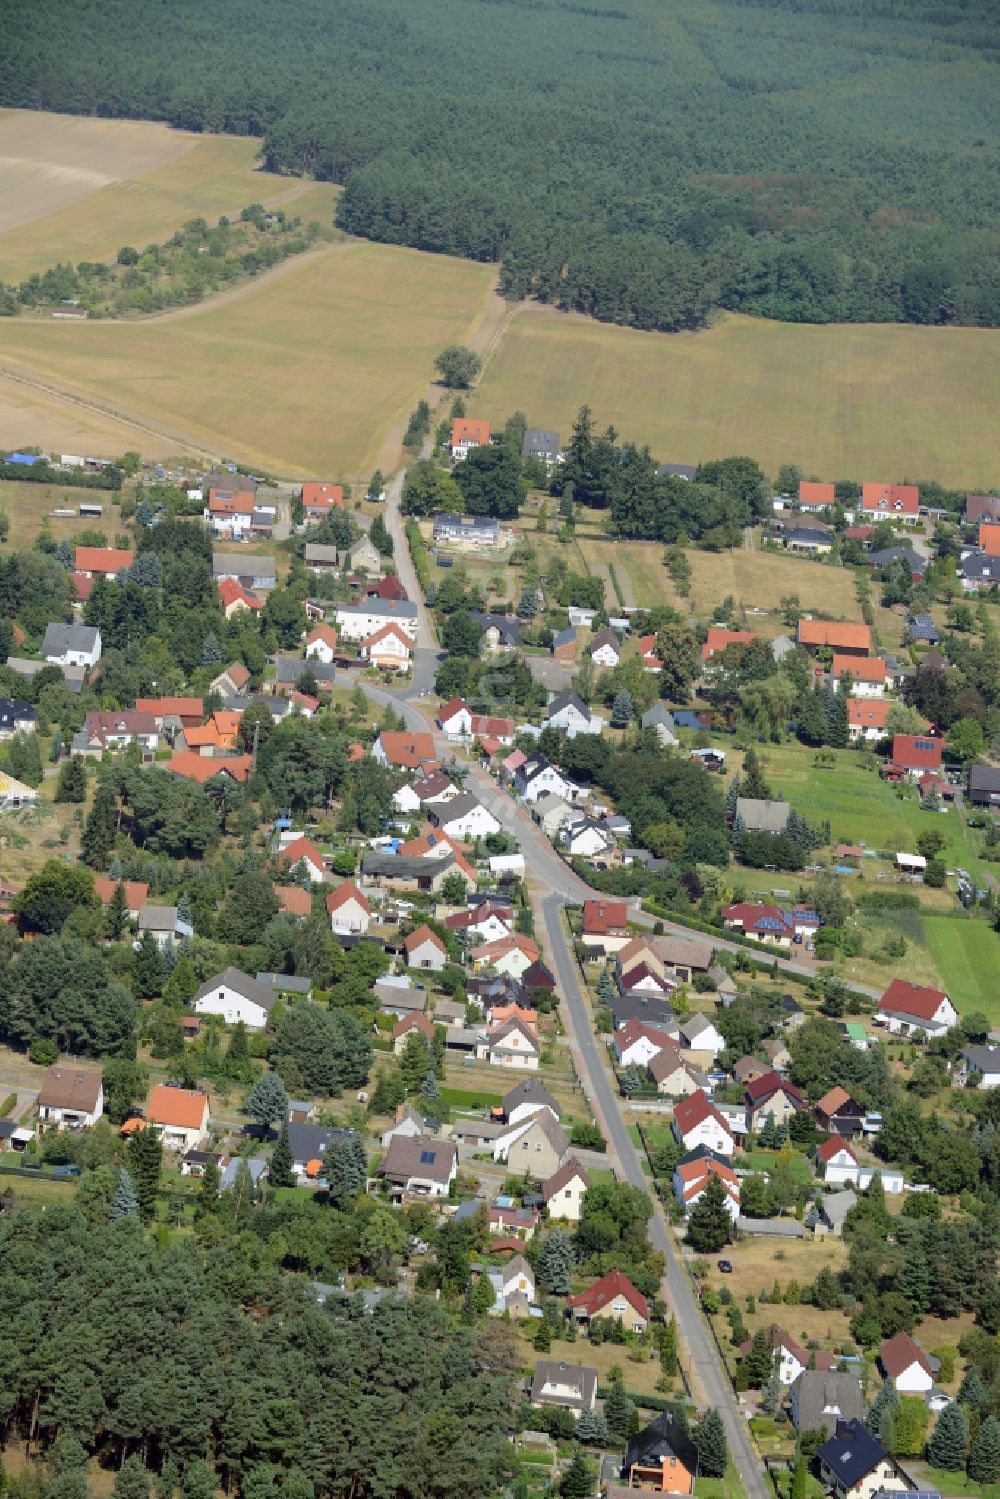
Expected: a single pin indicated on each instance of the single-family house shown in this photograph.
(234, 597)
(71, 645)
(514, 1043)
(763, 923)
(163, 924)
(891, 501)
(720, 639)
(70, 1097)
(587, 838)
(253, 571)
(791, 1359)
(484, 922)
(136, 893)
(757, 815)
(660, 719)
(570, 714)
(236, 996)
(501, 632)
(979, 1066)
(402, 1030)
(536, 777)
(318, 499)
(613, 1296)
(536, 1144)
(661, 1458)
(981, 507)
(564, 1191)
(604, 924)
(815, 496)
(984, 786)
(604, 649)
(698, 1033)
(16, 717)
(541, 442)
(830, 1212)
(854, 1465)
(836, 1161)
(636, 1043)
(977, 571)
(528, 1098)
(914, 755)
(906, 1364)
(698, 1122)
(674, 1077)
(468, 433)
(908, 1008)
(321, 644)
(464, 817)
(772, 1097)
(921, 628)
(309, 1143)
(107, 731)
(571, 1387)
(424, 949)
(419, 1165)
(349, 911)
(475, 533)
(820, 1398)
(101, 562)
(837, 1113)
(694, 1171)
(181, 1115)
(302, 851)
(867, 718)
(363, 556)
(564, 646)
(868, 675)
(401, 750)
(809, 539)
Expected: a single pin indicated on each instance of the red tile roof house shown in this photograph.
(467, 433)
(698, 1122)
(907, 1008)
(349, 911)
(814, 496)
(892, 502)
(913, 755)
(906, 1364)
(101, 562)
(719, 639)
(869, 674)
(321, 644)
(771, 1095)
(636, 1043)
(319, 499)
(614, 1296)
(389, 649)
(136, 893)
(303, 850)
(233, 597)
(763, 923)
(389, 589)
(866, 719)
(605, 924)
(691, 1178)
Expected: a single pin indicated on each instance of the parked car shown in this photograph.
(726, 1267)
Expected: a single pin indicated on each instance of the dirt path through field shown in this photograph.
(234, 293)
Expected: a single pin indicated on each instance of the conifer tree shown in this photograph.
(578, 1479)
(208, 1192)
(622, 710)
(946, 1448)
(885, 1400)
(147, 968)
(984, 1459)
(555, 1262)
(618, 1408)
(713, 1449)
(145, 1153)
(100, 829)
(116, 914)
(668, 1347)
(267, 1101)
(280, 1170)
(710, 1225)
(72, 783)
(124, 1203)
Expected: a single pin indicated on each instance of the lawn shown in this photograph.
(305, 373)
(766, 1160)
(101, 184)
(967, 955)
(944, 1482)
(841, 401)
(27, 505)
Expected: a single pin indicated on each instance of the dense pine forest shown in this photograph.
(639, 160)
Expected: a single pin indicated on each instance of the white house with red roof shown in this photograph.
(302, 850)
(869, 675)
(836, 1161)
(615, 1296)
(891, 502)
(349, 911)
(867, 718)
(790, 1356)
(906, 1008)
(763, 923)
(906, 1364)
(455, 718)
(424, 949)
(698, 1122)
(233, 597)
(692, 1176)
(486, 923)
(772, 1096)
(468, 433)
(321, 644)
(914, 755)
(647, 653)
(388, 649)
(719, 639)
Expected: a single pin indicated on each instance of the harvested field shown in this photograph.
(28, 506)
(303, 374)
(843, 401)
(37, 414)
(80, 189)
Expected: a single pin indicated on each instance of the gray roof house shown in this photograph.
(759, 816)
(248, 568)
(984, 786)
(71, 645)
(310, 1142)
(573, 1386)
(538, 442)
(827, 1217)
(676, 471)
(782, 646)
(660, 718)
(822, 1397)
(980, 1066)
(288, 670)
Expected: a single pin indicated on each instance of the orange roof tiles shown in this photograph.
(195, 767)
(890, 499)
(102, 560)
(466, 430)
(812, 494)
(860, 668)
(177, 1108)
(835, 633)
(989, 538)
(293, 900)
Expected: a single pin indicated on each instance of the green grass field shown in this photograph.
(967, 954)
(28, 505)
(843, 401)
(305, 373)
(136, 194)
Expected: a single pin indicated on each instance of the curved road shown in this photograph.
(561, 888)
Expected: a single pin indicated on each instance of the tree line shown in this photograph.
(641, 167)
